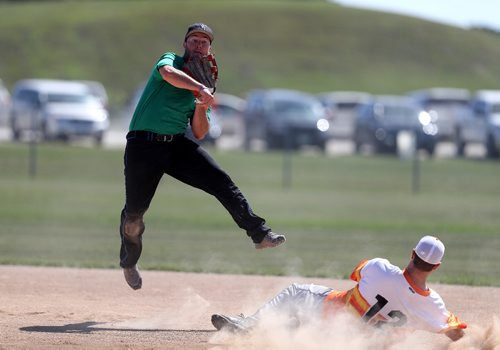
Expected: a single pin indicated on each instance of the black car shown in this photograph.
(380, 121)
(285, 119)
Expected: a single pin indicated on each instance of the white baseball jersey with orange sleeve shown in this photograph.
(386, 294)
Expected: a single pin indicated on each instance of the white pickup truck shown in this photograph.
(481, 124)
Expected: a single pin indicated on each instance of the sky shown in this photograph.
(460, 13)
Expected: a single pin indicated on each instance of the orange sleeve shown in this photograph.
(454, 323)
(356, 274)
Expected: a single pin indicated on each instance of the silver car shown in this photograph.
(57, 109)
(484, 125)
(341, 108)
(446, 106)
(230, 109)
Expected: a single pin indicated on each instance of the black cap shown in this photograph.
(200, 28)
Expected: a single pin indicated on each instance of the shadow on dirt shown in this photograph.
(88, 327)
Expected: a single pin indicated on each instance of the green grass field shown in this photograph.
(338, 211)
(308, 45)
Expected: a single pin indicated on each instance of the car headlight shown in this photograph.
(322, 125)
(424, 118)
(101, 117)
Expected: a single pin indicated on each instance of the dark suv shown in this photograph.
(379, 122)
(285, 119)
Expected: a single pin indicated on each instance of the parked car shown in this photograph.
(486, 120)
(214, 131)
(379, 122)
(285, 118)
(57, 109)
(4, 103)
(98, 90)
(446, 107)
(341, 107)
(212, 136)
(230, 109)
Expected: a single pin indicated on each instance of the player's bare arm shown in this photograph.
(181, 80)
(200, 123)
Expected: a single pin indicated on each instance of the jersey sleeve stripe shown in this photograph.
(358, 302)
(356, 274)
(453, 323)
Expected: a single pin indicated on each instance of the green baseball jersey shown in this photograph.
(163, 108)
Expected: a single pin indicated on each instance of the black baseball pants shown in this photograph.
(147, 159)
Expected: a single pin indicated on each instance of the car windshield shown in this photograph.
(226, 111)
(295, 110)
(396, 115)
(445, 103)
(347, 105)
(67, 98)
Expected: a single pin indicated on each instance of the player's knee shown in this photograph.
(133, 226)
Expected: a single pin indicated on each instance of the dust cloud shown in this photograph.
(478, 338)
(192, 307)
(346, 332)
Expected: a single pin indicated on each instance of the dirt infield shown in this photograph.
(61, 308)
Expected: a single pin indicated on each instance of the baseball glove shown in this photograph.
(204, 70)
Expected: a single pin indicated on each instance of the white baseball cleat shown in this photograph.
(270, 240)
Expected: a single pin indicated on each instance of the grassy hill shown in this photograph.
(310, 45)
